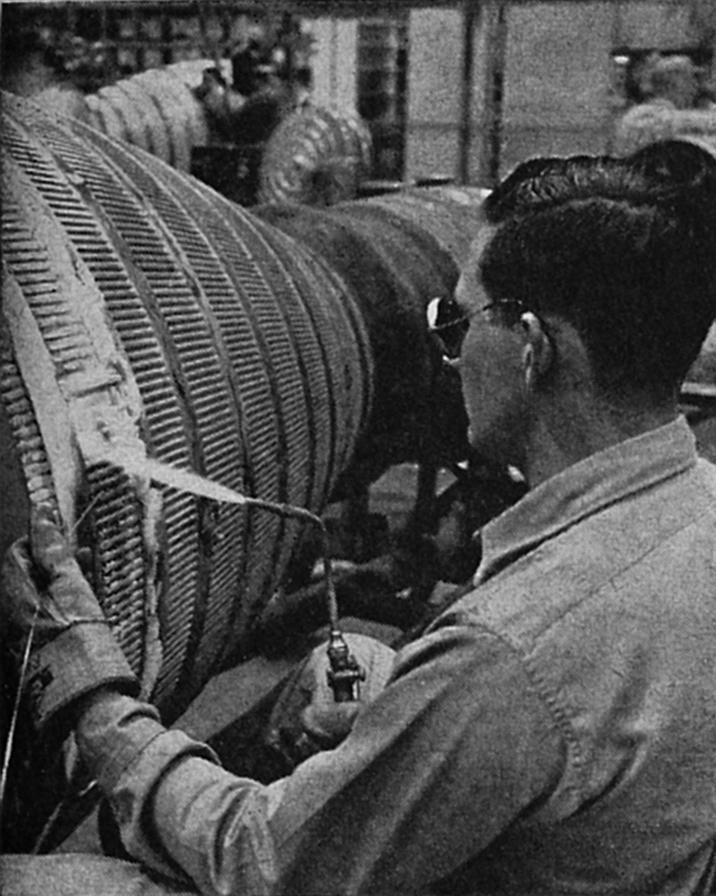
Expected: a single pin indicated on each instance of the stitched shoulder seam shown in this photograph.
(547, 697)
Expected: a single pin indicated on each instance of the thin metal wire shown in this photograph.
(16, 709)
(291, 510)
(84, 514)
(10, 742)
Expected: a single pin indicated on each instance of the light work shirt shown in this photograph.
(553, 732)
(659, 119)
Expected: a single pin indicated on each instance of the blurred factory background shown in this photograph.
(465, 90)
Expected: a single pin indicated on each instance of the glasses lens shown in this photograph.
(443, 312)
(432, 312)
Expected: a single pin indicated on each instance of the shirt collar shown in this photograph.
(584, 488)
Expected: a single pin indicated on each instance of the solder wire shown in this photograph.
(291, 510)
(22, 675)
(7, 755)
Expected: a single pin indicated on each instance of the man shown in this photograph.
(670, 111)
(223, 105)
(554, 730)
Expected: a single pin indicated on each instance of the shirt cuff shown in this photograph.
(82, 658)
(128, 751)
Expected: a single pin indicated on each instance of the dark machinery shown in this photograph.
(143, 311)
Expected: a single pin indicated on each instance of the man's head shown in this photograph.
(600, 279)
(675, 78)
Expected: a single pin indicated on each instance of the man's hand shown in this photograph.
(45, 593)
(306, 717)
(41, 577)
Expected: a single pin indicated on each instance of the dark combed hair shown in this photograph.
(623, 249)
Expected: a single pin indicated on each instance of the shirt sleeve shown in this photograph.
(446, 758)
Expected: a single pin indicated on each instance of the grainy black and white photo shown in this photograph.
(358, 448)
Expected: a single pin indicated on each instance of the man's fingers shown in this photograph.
(17, 568)
(44, 511)
(329, 725)
(22, 596)
(48, 544)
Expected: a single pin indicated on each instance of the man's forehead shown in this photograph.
(469, 267)
(468, 288)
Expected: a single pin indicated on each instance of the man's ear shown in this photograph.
(538, 352)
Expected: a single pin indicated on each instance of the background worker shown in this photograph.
(675, 107)
(553, 730)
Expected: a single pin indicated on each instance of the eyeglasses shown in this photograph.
(448, 322)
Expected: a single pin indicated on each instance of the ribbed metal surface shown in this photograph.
(173, 112)
(336, 312)
(32, 265)
(115, 523)
(25, 432)
(392, 264)
(447, 213)
(252, 367)
(155, 110)
(308, 140)
(283, 354)
(130, 113)
(105, 116)
(152, 133)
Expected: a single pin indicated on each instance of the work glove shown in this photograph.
(306, 717)
(46, 597)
